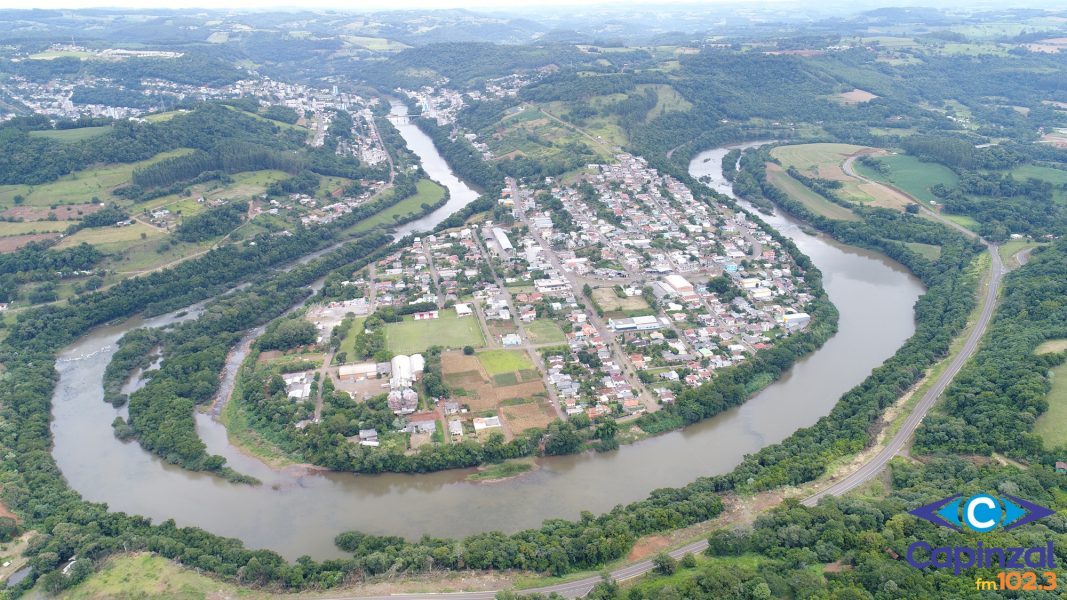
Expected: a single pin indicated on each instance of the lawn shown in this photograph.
(72, 135)
(429, 192)
(1052, 426)
(911, 175)
(545, 331)
(410, 336)
(801, 193)
(499, 362)
(81, 186)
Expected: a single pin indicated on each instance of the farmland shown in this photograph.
(911, 175)
(801, 193)
(496, 362)
(79, 187)
(410, 336)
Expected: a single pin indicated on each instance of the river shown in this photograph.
(296, 512)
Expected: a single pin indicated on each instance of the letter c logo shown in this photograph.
(982, 513)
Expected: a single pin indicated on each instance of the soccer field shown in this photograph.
(410, 336)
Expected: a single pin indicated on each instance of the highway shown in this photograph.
(866, 472)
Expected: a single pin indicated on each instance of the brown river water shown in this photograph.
(296, 512)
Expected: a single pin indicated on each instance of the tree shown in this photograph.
(468, 350)
(664, 564)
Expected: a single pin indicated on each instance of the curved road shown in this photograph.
(865, 473)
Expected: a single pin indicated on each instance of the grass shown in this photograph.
(25, 227)
(1052, 425)
(110, 239)
(809, 159)
(429, 192)
(500, 362)
(377, 44)
(963, 220)
(348, 343)
(668, 100)
(72, 135)
(81, 186)
(241, 434)
(1011, 248)
(545, 331)
(503, 470)
(1051, 346)
(410, 336)
(801, 193)
(911, 175)
(928, 251)
(1057, 177)
(149, 576)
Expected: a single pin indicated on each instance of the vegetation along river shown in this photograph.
(297, 512)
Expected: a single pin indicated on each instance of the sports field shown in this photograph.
(801, 193)
(410, 336)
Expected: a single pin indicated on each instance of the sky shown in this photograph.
(354, 5)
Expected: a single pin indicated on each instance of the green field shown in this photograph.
(72, 135)
(911, 175)
(149, 576)
(348, 343)
(928, 251)
(813, 160)
(499, 362)
(410, 336)
(801, 193)
(81, 186)
(1052, 426)
(25, 227)
(111, 239)
(378, 44)
(429, 192)
(963, 220)
(1057, 177)
(668, 99)
(545, 331)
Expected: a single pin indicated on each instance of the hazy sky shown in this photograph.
(350, 5)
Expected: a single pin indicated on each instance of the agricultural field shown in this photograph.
(824, 161)
(796, 190)
(517, 396)
(668, 100)
(81, 186)
(377, 44)
(429, 192)
(1057, 177)
(496, 362)
(72, 135)
(111, 239)
(545, 331)
(27, 227)
(911, 175)
(1052, 426)
(410, 336)
(856, 96)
